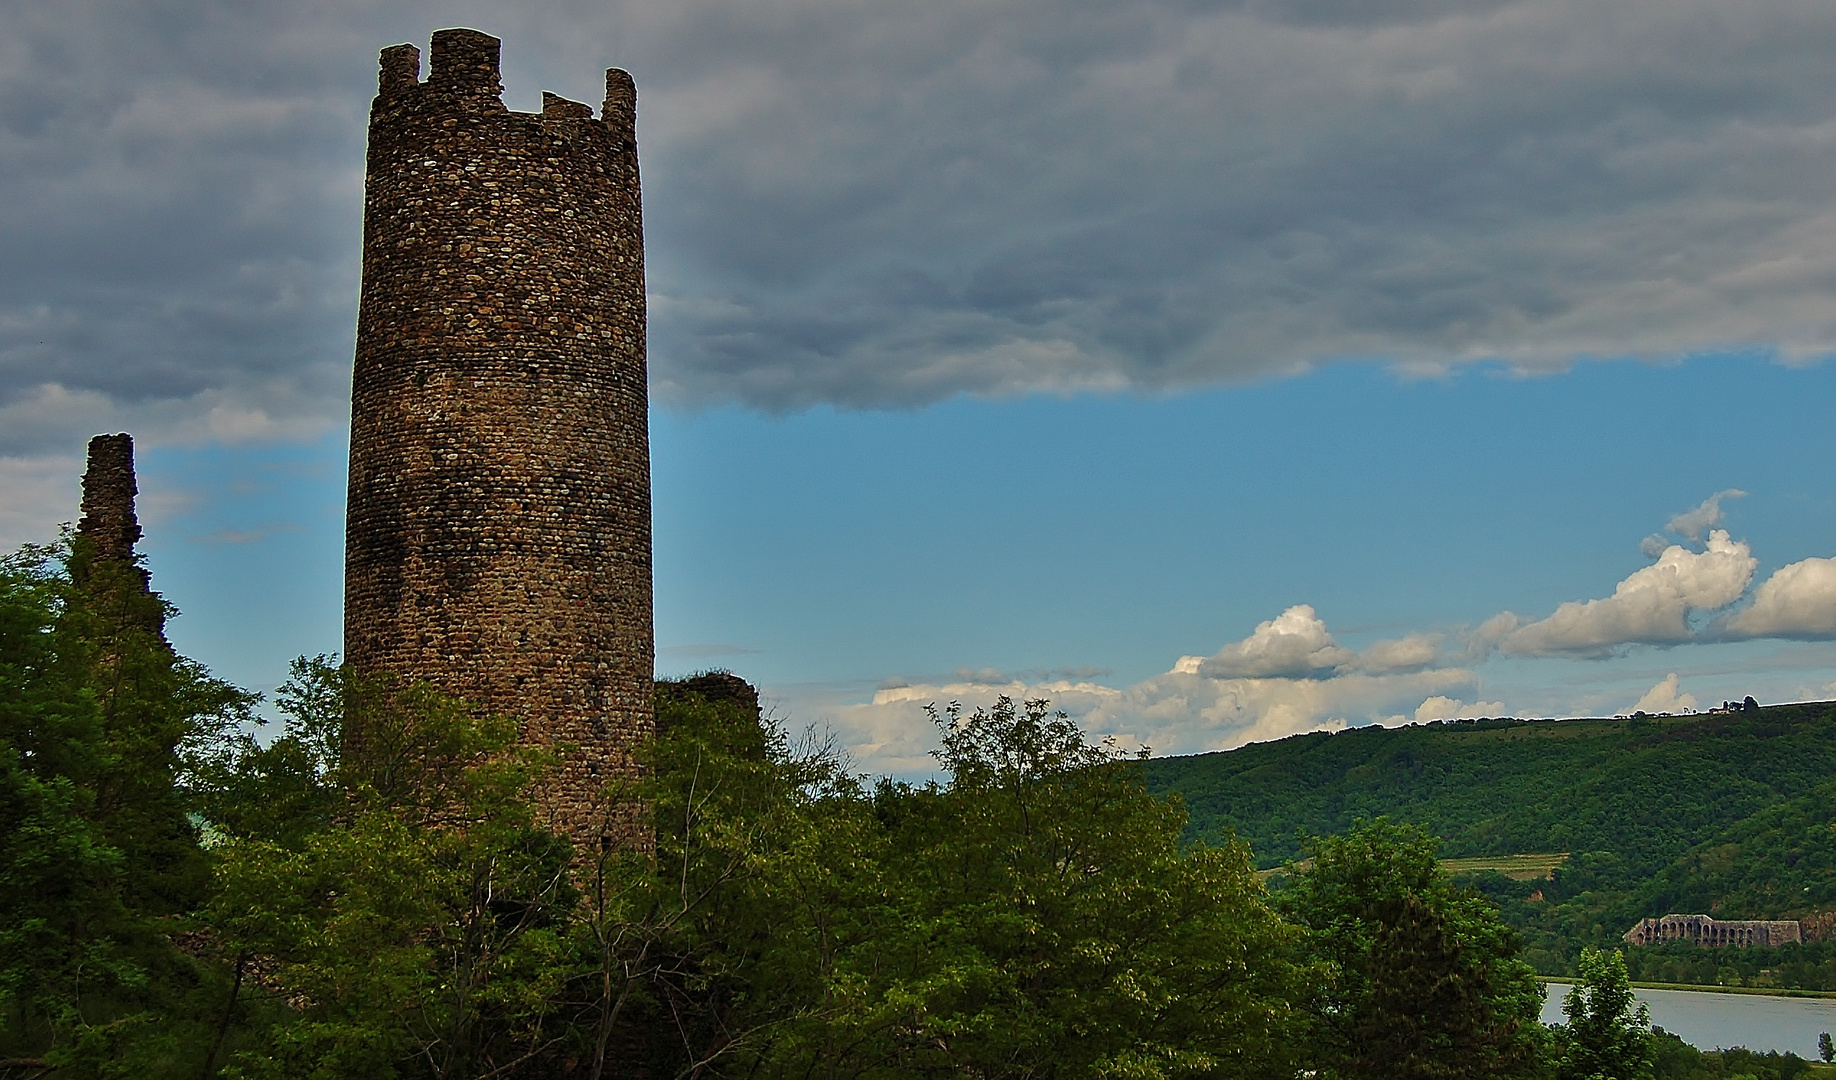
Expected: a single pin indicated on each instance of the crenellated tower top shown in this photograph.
(465, 76)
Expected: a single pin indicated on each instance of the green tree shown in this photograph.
(1608, 1034)
(722, 959)
(419, 926)
(100, 865)
(1036, 917)
(1424, 979)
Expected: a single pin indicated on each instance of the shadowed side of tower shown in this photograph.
(498, 533)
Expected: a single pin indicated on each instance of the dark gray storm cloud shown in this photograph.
(872, 204)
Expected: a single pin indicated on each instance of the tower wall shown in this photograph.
(108, 520)
(498, 531)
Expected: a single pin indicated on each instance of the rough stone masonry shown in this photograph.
(497, 542)
(108, 521)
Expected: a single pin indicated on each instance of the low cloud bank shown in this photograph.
(1181, 711)
(1291, 674)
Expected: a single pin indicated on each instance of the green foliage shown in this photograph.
(1423, 979)
(1032, 917)
(766, 854)
(1608, 1034)
(1810, 966)
(1053, 927)
(421, 928)
(371, 894)
(99, 862)
(286, 790)
(1781, 859)
(1722, 814)
(1677, 1060)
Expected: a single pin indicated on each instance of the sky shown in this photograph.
(1217, 370)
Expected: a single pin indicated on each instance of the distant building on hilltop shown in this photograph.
(1702, 930)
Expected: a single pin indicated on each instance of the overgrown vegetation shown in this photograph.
(372, 893)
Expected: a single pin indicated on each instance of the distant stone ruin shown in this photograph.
(1714, 933)
(108, 519)
(104, 565)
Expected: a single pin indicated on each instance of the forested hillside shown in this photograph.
(1726, 814)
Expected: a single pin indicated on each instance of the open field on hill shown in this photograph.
(1515, 867)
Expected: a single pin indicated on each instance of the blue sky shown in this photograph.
(967, 547)
(1217, 370)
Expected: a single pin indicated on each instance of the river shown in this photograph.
(1710, 1021)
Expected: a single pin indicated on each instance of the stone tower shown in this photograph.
(104, 565)
(497, 542)
(108, 520)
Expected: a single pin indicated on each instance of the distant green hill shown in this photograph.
(1727, 814)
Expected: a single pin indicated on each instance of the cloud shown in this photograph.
(866, 206)
(1297, 645)
(36, 495)
(1411, 653)
(1164, 195)
(1446, 708)
(1287, 676)
(1651, 606)
(1797, 601)
(1692, 523)
(1294, 644)
(243, 536)
(1175, 713)
(1664, 698)
(1291, 675)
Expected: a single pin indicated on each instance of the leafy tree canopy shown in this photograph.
(1423, 979)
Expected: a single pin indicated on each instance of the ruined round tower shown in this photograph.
(497, 542)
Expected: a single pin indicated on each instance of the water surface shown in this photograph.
(1710, 1021)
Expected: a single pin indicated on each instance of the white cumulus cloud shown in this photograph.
(1297, 645)
(1291, 674)
(1411, 653)
(1651, 606)
(1797, 601)
(1692, 523)
(1288, 676)
(1446, 708)
(1179, 712)
(1294, 644)
(1665, 698)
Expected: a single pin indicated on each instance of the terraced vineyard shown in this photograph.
(1515, 867)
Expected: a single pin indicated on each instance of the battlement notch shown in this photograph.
(556, 107)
